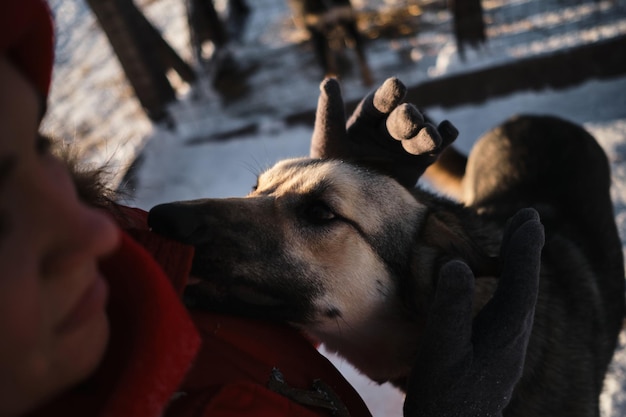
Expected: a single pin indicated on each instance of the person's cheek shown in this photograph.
(93, 229)
(22, 321)
(79, 237)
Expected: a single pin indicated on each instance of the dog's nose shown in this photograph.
(173, 220)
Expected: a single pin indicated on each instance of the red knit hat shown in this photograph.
(26, 38)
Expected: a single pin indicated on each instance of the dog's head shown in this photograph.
(316, 243)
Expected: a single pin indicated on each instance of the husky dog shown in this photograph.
(351, 257)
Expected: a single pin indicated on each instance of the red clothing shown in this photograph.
(164, 360)
(26, 38)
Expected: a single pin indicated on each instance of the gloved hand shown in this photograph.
(469, 369)
(382, 133)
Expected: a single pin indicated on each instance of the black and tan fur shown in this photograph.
(351, 257)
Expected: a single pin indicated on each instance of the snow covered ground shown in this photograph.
(93, 107)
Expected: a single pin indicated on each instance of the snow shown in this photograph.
(92, 107)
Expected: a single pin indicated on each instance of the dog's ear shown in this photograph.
(444, 232)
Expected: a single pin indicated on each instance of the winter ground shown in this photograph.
(92, 106)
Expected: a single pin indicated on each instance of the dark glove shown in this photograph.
(382, 133)
(466, 369)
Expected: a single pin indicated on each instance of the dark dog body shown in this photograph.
(352, 257)
(559, 169)
(330, 23)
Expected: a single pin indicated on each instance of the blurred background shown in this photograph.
(185, 99)
(257, 61)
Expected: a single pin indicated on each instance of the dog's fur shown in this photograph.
(330, 25)
(352, 257)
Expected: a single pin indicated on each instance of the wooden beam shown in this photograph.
(556, 70)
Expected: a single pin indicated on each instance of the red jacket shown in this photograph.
(164, 360)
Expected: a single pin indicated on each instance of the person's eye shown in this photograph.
(43, 144)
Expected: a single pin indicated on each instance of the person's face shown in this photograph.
(53, 327)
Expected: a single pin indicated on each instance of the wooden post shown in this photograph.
(204, 25)
(469, 24)
(143, 53)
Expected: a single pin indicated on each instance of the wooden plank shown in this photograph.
(557, 70)
(143, 54)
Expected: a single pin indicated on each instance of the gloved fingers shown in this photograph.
(430, 140)
(404, 122)
(330, 121)
(514, 223)
(522, 260)
(507, 317)
(449, 327)
(445, 354)
(426, 142)
(417, 135)
(372, 110)
(454, 377)
(448, 133)
(389, 95)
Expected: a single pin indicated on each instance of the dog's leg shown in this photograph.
(352, 30)
(322, 50)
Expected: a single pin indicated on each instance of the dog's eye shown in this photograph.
(319, 212)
